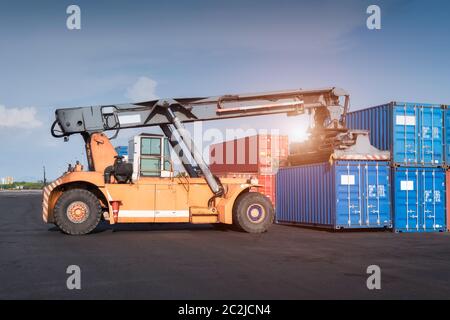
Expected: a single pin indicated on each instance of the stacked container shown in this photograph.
(414, 134)
(447, 198)
(122, 151)
(419, 199)
(447, 159)
(343, 194)
(255, 156)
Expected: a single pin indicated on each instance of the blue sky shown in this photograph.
(131, 49)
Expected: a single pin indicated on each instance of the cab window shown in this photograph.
(151, 146)
(150, 165)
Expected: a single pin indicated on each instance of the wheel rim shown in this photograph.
(256, 213)
(77, 212)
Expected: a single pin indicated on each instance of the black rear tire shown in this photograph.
(77, 212)
(253, 213)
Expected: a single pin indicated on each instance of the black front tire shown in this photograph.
(84, 199)
(253, 212)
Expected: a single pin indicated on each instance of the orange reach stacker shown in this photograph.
(145, 188)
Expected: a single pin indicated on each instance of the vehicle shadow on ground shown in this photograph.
(104, 226)
(128, 227)
(342, 230)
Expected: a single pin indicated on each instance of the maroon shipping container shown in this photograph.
(256, 156)
(266, 182)
(260, 154)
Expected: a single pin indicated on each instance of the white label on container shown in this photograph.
(406, 185)
(381, 191)
(437, 196)
(130, 119)
(436, 132)
(348, 179)
(426, 132)
(405, 120)
(371, 191)
(427, 195)
(375, 191)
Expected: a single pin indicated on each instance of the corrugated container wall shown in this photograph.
(447, 134)
(447, 198)
(345, 194)
(255, 156)
(268, 186)
(259, 153)
(419, 199)
(413, 132)
(266, 182)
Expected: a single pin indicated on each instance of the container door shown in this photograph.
(377, 203)
(431, 130)
(406, 199)
(447, 198)
(405, 134)
(447, 135)
(349, 195)
(432, 216)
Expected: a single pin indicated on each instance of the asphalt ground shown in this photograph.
(182, 261)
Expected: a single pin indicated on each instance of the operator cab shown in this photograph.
(150, 156)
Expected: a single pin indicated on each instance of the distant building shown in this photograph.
(7, 180)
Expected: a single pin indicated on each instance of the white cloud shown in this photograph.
(142, 90)
(19, 117)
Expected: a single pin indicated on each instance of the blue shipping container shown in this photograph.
(345, 194)
(122, 150)
(413, 132)
(447, 134)
(419, 199)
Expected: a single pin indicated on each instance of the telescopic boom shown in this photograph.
(325, 103)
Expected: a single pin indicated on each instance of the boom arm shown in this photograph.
(325, 103)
